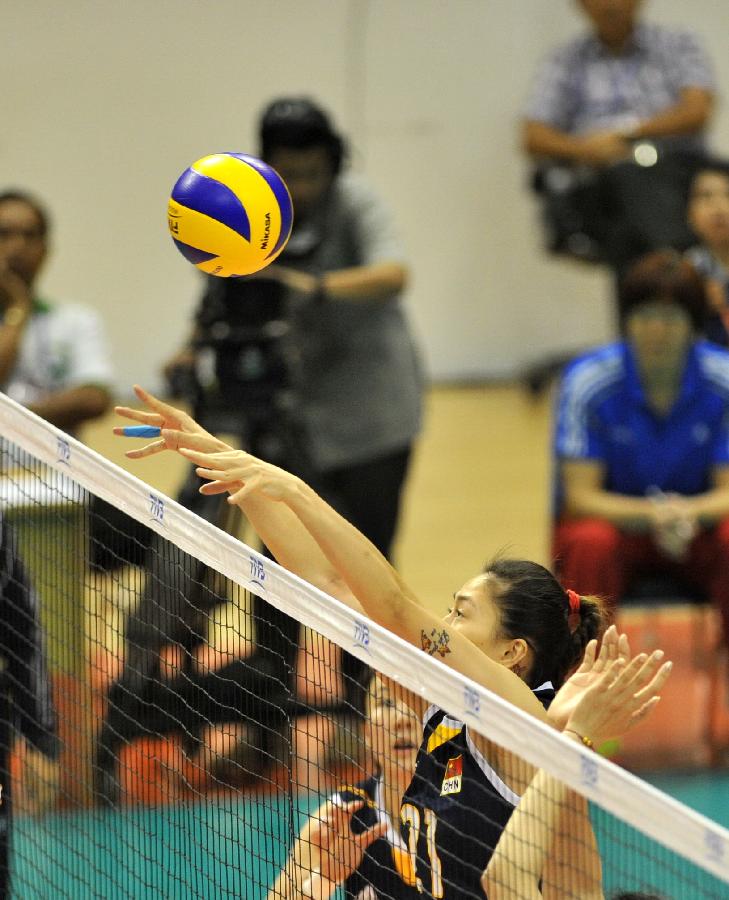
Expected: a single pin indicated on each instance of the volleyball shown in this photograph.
(230, 214)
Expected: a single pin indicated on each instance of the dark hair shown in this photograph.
(706, 167)
(534, 606)
(16, 195)
(664, 277)
(298, 123)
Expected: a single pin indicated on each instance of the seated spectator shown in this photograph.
(642, 445)
(53, 359)
(708, 214)
(596, 101)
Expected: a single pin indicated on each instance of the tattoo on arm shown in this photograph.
(436, 642)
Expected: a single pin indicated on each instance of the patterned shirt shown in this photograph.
(583, 87)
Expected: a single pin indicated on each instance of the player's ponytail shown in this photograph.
(556, 624)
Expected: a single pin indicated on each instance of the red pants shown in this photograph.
(594, 557)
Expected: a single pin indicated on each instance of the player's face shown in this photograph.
(22, 243)
(660, 334)
(476, 615)
(393, 731)
(708, 211)
(307, 172)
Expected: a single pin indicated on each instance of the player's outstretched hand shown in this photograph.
(340, 849)
(614, 645)
(241, 474)
(180, 429)
(623, 695)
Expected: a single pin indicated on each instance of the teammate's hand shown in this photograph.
(340, 849)
(623, 695)
(241, 474)
(180, 429)
(614, 646)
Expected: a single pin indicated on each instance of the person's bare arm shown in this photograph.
(275, 524)
(16, 309)
(709, 507)
(585, 497)
(690, 114)
(594, 149)
(378, 588)
(378, 281)
(71, 407)
(548, 848)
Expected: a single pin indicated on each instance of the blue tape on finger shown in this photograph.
(143, 431)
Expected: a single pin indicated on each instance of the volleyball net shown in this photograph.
(209, 704)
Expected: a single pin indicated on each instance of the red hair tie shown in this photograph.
(575, 601)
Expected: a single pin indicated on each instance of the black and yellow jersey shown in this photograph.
(455, 808)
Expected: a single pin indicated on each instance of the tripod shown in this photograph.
(252, 397)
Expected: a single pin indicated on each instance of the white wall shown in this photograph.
(104, 104)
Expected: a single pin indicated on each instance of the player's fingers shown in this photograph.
(214, 487)
(198, 457)
(147, 450)
(624, 646)
(644, 710)
(644, 667)
(610, 644)
(138, 415)
(588, 660)
(369, 836)
(212, 474)
(156, 404)
(176, 440)
(656, 683)
(248, 488)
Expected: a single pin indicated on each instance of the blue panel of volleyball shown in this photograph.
(230, 214)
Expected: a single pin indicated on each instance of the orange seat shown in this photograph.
(690, 726)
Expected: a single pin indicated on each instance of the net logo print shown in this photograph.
(362, 635)
(63, 451)
(157, 509)
(471, 701)
(589, 775)
(715, 849)
(258, 572)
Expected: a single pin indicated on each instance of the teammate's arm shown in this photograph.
(548, 840)
(326, 852)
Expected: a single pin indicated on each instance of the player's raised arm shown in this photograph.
(277, 526)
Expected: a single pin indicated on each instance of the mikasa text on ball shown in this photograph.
(230, 214)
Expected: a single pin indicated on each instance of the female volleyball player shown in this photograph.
(353, 839)
(513, 629)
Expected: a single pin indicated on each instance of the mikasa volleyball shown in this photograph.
(230, 214)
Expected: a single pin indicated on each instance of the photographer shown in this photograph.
(346, 346)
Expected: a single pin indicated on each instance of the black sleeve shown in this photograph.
(25, 674)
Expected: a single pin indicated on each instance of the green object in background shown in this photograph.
(52, 545)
